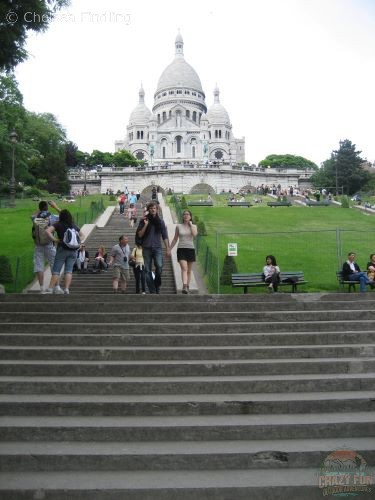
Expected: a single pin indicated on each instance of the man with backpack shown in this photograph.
(44, 247)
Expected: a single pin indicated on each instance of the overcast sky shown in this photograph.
(296, 76)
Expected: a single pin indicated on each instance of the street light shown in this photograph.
(13, 139)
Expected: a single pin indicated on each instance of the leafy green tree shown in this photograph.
(17, 18)
(288, 161)
(100, 158)
(344, 168)
(124, 158)
(71, 154)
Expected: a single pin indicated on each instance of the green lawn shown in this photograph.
(16, 241)
(314, 240)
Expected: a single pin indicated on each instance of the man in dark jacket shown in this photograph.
(151, 231)
(352, 272)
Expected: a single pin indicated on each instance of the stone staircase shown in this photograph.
(169, 397)
(101, 283)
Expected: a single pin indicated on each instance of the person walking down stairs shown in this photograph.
(185, 234)
(120, 255)
(151, 230)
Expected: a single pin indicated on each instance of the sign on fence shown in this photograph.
(232, 249)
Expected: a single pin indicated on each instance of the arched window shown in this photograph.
(219, 134)
(187, 113)
(159, 118)
(164, 116)
(216, 134)
(170, 113)
(138, 134)
(178, 143)
(193, 152)
(194, 116)
(141, 134)
(163, 149)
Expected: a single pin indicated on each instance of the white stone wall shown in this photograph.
(183, 181)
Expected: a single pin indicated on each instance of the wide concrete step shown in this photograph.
(211, 352)
(188, 428)
(170, 306)
(348, 300)
(285, 484)
(185, 455)
(135, 328)
(202, 367)
(209, 340)
(102, 316)
(185, 404)
(187, 385)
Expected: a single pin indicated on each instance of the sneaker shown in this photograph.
(57, 287)
(143, 293)
(47, 290)
(185, 289)
(66, 291)
(58, 291)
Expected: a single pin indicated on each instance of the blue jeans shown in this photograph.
(64, 256)
(362, 278)
(153, 255)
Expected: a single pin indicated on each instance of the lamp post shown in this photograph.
(13, 139)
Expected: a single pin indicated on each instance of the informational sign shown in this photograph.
(232, 249)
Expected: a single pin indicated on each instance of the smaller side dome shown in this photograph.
(217, 113)
(140, 114)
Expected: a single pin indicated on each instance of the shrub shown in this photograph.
(202, 231)
(229, 268)
(112, 197)
(345, 202)
(184, 205)
(6, 275)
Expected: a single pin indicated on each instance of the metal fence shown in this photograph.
(319, 254)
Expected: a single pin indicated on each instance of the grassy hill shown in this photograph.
(315, 240)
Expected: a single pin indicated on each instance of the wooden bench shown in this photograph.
(239, 204)
(250, 280)
(351, 284)
(279, 203)
(311, 203)
(200, 204)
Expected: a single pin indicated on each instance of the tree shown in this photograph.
(288, 161)
(16, 19)
(123, 158)
(344, 168)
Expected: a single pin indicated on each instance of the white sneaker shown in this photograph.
(66, 291)
(58, 291)
(47, 290)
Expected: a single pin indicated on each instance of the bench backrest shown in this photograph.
(258, 277)
(200, 203)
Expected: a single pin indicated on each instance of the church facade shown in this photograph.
(180, 129)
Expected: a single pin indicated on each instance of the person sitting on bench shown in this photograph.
(271, 273)
(352, 272)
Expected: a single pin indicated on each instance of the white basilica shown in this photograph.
(180, 130)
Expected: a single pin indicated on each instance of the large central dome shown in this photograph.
(179, 73)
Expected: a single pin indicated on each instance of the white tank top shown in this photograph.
(185, 237)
